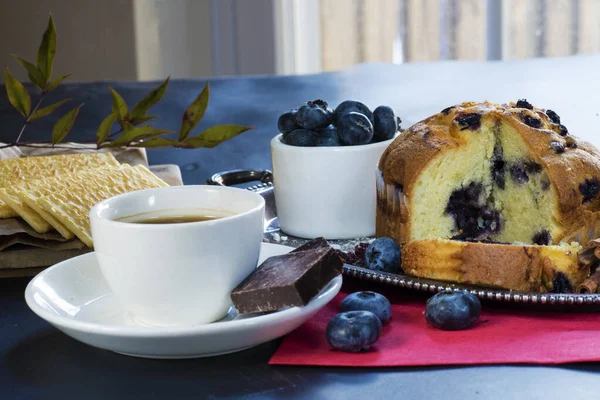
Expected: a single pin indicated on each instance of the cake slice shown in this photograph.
(487, 174)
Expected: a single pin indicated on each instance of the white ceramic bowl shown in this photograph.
(178, 274)
(326, 191)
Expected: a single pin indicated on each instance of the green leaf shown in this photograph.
(120, 109)
(104, 129)
(140, 109)
(46, 52)
(64, 125)
(54, 84)
(17, 94)
(194, 113)
(140, 120)
(215, 135)
(157, 142)
(35, 76)
(42, 112)
(136, 134)
(119, 105)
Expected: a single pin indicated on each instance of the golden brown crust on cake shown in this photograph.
(516, 267)
(568, 161)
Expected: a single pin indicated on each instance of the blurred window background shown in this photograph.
(430, 30)
(149, 39)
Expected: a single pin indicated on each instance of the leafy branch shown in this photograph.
(40, 75)
(133, 127)
(134, 130)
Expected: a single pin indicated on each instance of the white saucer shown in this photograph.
(74, 297)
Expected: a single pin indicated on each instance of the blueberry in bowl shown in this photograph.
(354, 129)
(287, 122)
(384, 254)
(328, 137)
(376, 303)
(349, 106)
(452, 310)
(314, 115)
(301, 137)
(385, 123)
(353, 331)
(352, 123)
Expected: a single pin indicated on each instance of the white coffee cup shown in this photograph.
(178, 273)
(326, 191)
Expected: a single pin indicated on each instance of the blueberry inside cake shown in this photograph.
(489, 194)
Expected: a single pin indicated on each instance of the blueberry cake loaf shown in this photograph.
(493, 195)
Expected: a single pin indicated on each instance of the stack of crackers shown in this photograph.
(56, 193)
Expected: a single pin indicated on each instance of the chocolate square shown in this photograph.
(288, 280)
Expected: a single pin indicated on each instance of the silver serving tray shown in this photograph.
(549, 301)
(496, 295)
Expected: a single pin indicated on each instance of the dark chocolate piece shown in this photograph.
(313, 244)
(289, 280)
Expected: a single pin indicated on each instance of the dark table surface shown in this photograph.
(37, 361)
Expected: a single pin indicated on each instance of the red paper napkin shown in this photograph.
(501, 336)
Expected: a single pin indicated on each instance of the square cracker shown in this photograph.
(28, 192)
(17, 170)
(71, 205)
(33, 218)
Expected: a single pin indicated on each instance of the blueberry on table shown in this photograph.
(354, 129)
(353, 331)
(301, 137)
(386, 124)
(287, 122)
(314, 115)
(349, 106)
(328, 136)
(384, 254)
(376, 303)
(452, 310)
